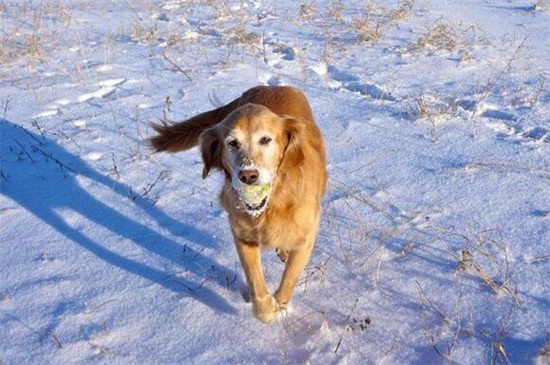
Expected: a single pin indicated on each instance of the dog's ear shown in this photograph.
(294, 134)
(211, 151)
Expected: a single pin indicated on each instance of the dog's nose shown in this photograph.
(248, 176)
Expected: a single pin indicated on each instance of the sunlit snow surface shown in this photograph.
(435, 240)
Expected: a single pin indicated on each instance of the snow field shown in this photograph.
(434, 245)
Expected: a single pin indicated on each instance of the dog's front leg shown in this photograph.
(295, 264)
(264, 305)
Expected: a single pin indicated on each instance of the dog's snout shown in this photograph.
(249, 176)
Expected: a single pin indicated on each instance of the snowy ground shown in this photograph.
(435, 241)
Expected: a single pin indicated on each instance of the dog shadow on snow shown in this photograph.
(40, 176)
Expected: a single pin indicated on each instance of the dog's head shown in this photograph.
(251, 146)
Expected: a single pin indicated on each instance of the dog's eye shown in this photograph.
(234, 144)
(265, 140)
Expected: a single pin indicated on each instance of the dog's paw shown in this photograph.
(281, 303)
(282, 253)
(266, 309)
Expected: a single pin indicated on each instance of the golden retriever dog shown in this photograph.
(272, 154)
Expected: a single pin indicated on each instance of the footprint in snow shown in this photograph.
(54, 108)
(47, 114)
(281, 54)
(373, 91)
(339, 79)
(94, 156)
(544, 214)
(106, 89)
(538, 134)
(269, 80)
(498, 114)
(80, 123)
(112, 82)
(486, 111)
(286, 53)
(501, 121)
(529, 135)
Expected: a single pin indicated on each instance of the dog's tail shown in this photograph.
(174, 137)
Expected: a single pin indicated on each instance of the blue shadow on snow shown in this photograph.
(41, 179)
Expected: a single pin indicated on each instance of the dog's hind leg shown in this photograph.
(282, 254)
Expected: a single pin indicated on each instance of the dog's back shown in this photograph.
(282, 100)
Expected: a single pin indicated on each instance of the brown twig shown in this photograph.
(176, 66)
(346, 325)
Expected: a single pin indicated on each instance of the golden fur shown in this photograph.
(267, 136)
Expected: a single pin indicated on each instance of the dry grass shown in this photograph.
(495, 77)
(438, 36)
(347, 326)
(29, 31)
(525, 95)
(468, 264)
(144, 33)
(486, 257)
(430, 331)
(367, 25)
(376, 19)
(367, 28)
(361, 243)
(444, 330)
(543, 357)
(312, 272)
(541, 5)
(241, 35)
(432, 110)
(445, 36)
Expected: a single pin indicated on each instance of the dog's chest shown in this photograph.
(256, 231)
(274, 228)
